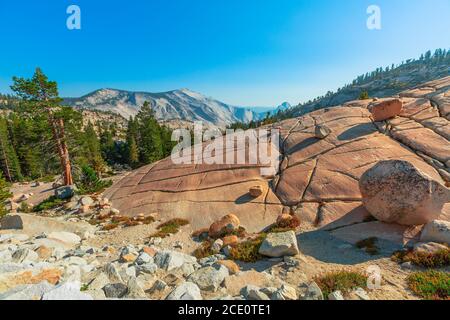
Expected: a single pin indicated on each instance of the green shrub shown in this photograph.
(430, 285)
(248, 251)
(203, 251)
(49, 203)
(364, 95)
(4, 195)
(88, 182)
(344, 281)
(437, 259)
(170, 227)
(25, 207)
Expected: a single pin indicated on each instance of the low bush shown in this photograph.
(170, 227)
(344, 281)
(430, 285)
(203, 251)
(88, 182)
(48, 204)
(437, 259)
(248, 251)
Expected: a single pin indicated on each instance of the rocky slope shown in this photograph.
(318, 178)
(330, 166)
(382, 83)
(168, 106)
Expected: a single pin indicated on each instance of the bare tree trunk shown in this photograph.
(59, 136)
(68, 179)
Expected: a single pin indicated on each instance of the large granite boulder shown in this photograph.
(394, 191)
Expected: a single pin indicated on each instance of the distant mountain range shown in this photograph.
(173, 105)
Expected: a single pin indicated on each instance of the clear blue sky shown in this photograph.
(243, 52)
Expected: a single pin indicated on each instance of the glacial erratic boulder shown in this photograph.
(386, 110)
(224, 226)
(279, 245)
(394, 191)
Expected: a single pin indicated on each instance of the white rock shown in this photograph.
(436, 231)
(24, 254)
(112, 273)
(217, 246)
(66, 291)
(429, 247)
(66, 237)
(170, 260)
(135, 290)
(336, 295)
(27, 292)
(185, 291)
(313, 292)
(359, 294)
(99, 281)
(143, 258)
(286, 292)
(251, 292)
(86, 201)
(279, 244)
(209, 278)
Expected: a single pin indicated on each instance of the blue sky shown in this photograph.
(243, 52)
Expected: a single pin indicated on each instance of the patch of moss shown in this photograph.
(49, 203)
(437, 259)
(170, 227)
(203, 251)
(369, 245)
(247, 251)
(430, 285)
(345, 281)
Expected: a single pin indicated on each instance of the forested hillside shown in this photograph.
(35, 130)
(382, 82)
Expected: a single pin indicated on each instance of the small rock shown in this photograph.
(286, 292)
(143, 258)
(256, 191)
(115, 290)
(313, 292)
(135, 291)
(65, 192)
(159, 285)
(232, 266)
(66, 237)
(279, 245)
(147, 268)
(185, 291)
(170, 260)
(24, 254)
(230, 240)
(224, 226)
(149, 250)
(217, 246)
(99, 282)
(112, 273)
(86, 201)
(321, 131)
(127, 258)
(251, 292)
(436, 231)
(336, 295)
(429, 247)
(209, 278)
(114, 211)
(359, 294)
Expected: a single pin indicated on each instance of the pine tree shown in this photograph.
(41, 96)
(4, 195)
(92, 150)
(8, 157)
(149, 136)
